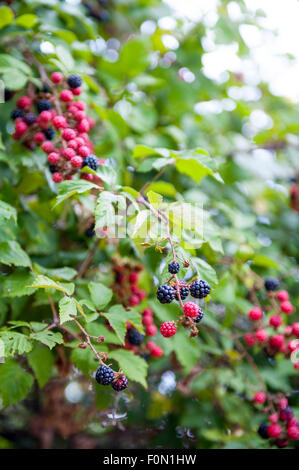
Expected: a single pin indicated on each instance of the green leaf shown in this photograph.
(14, 80)
(106, 214)
(204, 271)
(12, 253)
(133, 366)
(48, 337)
(26, 21)
(155, 199)
(15, 383)
(118, 316)
(64, 273)
(68, 189)
(6, 16)
(85, 360)
(16, 284)
(7, 211)
(100, 294)
(15, 343)
(196, 164)
(67, 309)
(44, 282)
(107, 174)
(65, 57)
(41, 361)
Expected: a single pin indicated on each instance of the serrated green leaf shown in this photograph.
(7, 211)
(68, 189)
(12, 253)
(67, 309)
(41, 361)
(15, 343)
(15, 383)
(44, 282)
(133, 366)
(48, 337)
(118, 316)
(16, 284)
(100, 294)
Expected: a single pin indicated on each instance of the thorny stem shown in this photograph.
(87, 261)
(88, 341)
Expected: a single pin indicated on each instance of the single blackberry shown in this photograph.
(90, 231)
(174, 267)
(43, 105)
(17, 113)
(184, 292)
(134, 337)
(30, 118)
(286, 414)
(165, 294)
(8, 94)
(52, 168)
(271, 284)
(104, 375)
(262, 431)
(49, 133)
(74, 81)
(199, 316)
(91, 161)
(120, 384)
(199, 289)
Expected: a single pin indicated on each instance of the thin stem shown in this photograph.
(87, 261)
(88, 341)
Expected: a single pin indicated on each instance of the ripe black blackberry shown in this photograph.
(90, 231)
(91, 161)
(43, 105)
(199, 316)
(165, 294)
(8, 94)
(134, 337)
(49, 133)
(52, 168)
(174, 267)
(17, 113)
(74, 81)
(104, 375)
(30, 118)
(199, 289)
(271, 284)
(120, 384)
(184, 291)
(262, 431)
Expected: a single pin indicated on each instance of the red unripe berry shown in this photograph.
(57, 177)
(66, 95)
(147, 311)
(39, 137)
(87, 176)
(168, 329)
(83, 126)
(45, 116)
(76, 161)
(275, 321)
(77, 91)
(68, 153)
(286, 307)
(249, 339)
(134, 300)
(147, 320)
(296, 365)
(72, 144)
(295, 329)
(259, 397)
(133, 278)
(79, 115)
(80, 141)
(83, 151)
(282, 295)
(48, 146)
(261, 335)
(293, 433)
(283, 403)
(134, 289)
(293, 345)
(273, 418)
(274, 430)
(59, 122)
(53, 158)
(141, 294)
(56, 77)
(288, 330)
(157, 352)
(151, 330)
(150, 345)
(191, 309)
(255, 314)
(80, 105)
(277, 341)
(68, 134)
(16, 136)
(24, 102)
(21, 127)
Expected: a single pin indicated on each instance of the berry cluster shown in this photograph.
(53, 119)
(179, 290)
(282, 427)
(106, 376)
(272, 333)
